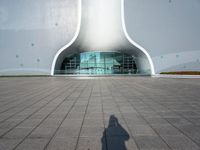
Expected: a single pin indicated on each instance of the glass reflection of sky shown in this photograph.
(98, 57)
(100, 63)
(90, 57)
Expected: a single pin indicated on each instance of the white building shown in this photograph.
(99, 36)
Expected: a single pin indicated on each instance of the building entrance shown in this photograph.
(98, 63)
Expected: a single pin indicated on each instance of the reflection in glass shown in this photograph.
(99, 63)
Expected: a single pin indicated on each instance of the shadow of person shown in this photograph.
(114, 136)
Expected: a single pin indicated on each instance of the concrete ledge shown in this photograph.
(177, 76)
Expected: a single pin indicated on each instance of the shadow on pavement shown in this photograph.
(114, 136)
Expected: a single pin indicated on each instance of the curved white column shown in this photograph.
(133, 42)
(95, 43)
(72, 41)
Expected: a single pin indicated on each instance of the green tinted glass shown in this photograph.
(99, 63)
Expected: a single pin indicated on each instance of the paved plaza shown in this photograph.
(99, 113)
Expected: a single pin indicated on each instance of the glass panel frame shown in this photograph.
(99, 63)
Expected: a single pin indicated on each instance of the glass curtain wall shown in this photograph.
(99, 63)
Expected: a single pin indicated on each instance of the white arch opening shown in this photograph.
(124, 30)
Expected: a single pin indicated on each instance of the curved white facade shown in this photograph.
(101, 27)
(32, 32)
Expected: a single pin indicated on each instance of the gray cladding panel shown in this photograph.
(31, 32)
(166, 29)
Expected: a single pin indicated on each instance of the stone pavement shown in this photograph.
(99, 113)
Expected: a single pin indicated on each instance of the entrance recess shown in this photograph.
(101, 44)
(98, 63)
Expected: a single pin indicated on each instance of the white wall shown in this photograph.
(31, 32)
(169, 31)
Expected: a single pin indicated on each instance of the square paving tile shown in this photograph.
(151, 143)
(90, 143)
(105, 113)
(62, 144)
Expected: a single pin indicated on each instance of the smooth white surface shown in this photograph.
(169, 32)
(71, 42)
(133, 42)
(102, 27)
